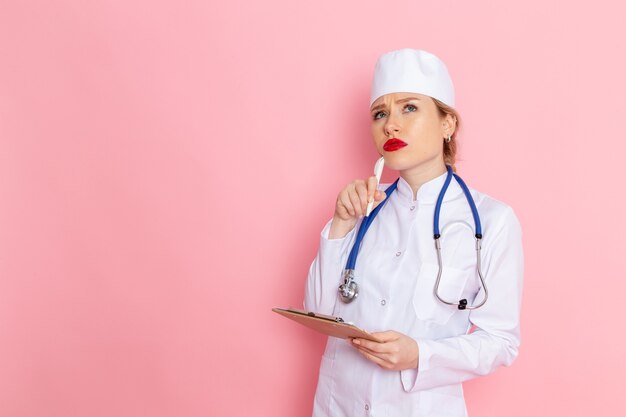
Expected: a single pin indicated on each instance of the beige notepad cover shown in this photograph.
(331, 326)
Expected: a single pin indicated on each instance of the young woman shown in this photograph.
(430, 344)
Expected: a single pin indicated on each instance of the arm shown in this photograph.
(497, 337)
(325, 272)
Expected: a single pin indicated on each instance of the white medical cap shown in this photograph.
(412, 71)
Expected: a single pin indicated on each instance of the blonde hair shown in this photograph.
(449, 148)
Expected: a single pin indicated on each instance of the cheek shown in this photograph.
(378, 136)
(426, 134)
(433, 146)
(426, 146)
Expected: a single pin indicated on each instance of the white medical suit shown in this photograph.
(396, 271)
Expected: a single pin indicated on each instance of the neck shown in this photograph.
(421, 174)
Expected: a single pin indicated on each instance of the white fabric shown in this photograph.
(396, 270)
(412, 71)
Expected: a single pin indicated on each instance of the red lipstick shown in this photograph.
(394, 144)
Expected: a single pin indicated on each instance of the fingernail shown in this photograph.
(356, 341)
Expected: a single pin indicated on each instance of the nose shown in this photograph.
(391, 126)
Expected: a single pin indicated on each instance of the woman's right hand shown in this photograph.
(352, 205)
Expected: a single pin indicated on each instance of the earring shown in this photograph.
(448, 139)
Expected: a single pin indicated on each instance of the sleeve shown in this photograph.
(324, 276)
(496, 338)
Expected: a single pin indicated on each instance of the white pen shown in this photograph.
(378, 172)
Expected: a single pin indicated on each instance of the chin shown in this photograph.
(400, 163)
(403, 161)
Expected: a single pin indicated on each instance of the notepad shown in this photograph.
(328, 325)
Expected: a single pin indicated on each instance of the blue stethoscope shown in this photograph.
(349, 290)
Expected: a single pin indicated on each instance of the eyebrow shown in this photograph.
(404, 100)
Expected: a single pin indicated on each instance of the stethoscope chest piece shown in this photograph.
(349, 290)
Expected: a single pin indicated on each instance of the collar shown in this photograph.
(429, 191)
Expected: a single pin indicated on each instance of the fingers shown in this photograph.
(387, 336)
(376, 347)
(362, 191)
(378, 361)
(352, 200)
(382, 359)
(355, 199)
(397, 352)
(371, 188)
(344, 206)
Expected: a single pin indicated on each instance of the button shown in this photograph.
(367, 406)
(412, 208)
(383, 302)
(398, 253)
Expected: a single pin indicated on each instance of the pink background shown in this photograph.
(163, 162)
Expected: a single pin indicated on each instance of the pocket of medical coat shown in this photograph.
(451, 286)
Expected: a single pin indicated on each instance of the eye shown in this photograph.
(410, 107)
(378, 115)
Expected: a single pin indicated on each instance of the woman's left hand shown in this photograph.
(396, 353)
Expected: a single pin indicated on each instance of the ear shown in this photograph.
(448, 125)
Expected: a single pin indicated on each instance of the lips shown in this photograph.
(394, 144)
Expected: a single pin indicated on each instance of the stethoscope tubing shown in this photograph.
(365, 225)
(462, 304)
(348, 291)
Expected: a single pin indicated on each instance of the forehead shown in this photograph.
(391, 98)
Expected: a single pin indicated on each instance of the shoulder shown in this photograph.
(496, 216)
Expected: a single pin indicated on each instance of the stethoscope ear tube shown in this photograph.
(462, 304)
